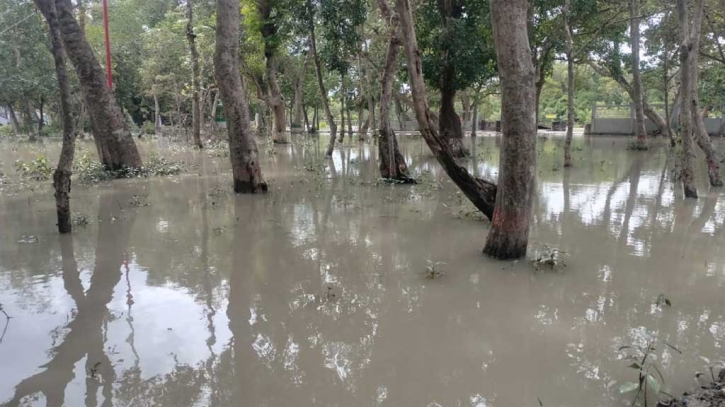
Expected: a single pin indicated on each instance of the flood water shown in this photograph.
(180, 293)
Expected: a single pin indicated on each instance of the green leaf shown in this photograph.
(635, 366)
(626, 387)
(653, 383)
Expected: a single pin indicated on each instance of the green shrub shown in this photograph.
(38, 169)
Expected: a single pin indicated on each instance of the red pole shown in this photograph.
(108, 44)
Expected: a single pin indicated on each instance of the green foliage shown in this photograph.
(467, 36)
(340, 21)
(90, 171)
(38, 169)
(649, 373)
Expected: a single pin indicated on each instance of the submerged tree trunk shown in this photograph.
(570, 84)
(482, 193)
(62, 174)
(323, 90)
(686, 85)
(699, 130)
(13, 119)
(392, 162)
(370, 100)
(244, 156)
(639, 128)
(509, 233)
(195, 74)
(114, 141)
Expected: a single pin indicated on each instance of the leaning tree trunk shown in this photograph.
(639, 128)
(509, 233)
(699, 130)
(570, 84)
(13, 119)
(482, 193)
(62, 174)
(195, 74)
(246, 170)
(686, 85)
(392, 162)
(114, 141)
(323, 90)
(41, 116)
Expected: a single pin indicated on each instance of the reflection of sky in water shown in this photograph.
(391, 337)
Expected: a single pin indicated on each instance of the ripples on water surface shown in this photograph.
(180, 293)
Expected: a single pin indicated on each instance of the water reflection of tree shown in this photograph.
(85, 337)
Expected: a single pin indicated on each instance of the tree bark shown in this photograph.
(482, 193)
(246, 169)
(639, 127)
(686, 85)
(509, 235)
(13, 119)
(467, 105)
(570, 84)
(474, 121)
(41, 116)
(699, 131)
(62, 173)
(297, 117)
(323, 90)
(157, 116)
(392, 162)
(342, 110)
(195, 74)
(275, 101)
(114, 141)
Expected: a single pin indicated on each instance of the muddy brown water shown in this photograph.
(179, 293)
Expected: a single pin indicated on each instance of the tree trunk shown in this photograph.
(699, 131)
(392, 162)
(509, 233)
(686, 85)
(668, 133)
(246, 168)
(157, 116)
(639, 127)
(13, 119)
(482, 193)
(195, 74)
(474, 123)
(323, 90)
(570, 84)
(342, 110)
(41, 116)
(349, 117)
(29, 127)
(371, 100)
(275, 100)
(449, 122)
(62, 174)
(114, 141)
(467, 105)
(297, 117)
(362, 128)
(307, 121)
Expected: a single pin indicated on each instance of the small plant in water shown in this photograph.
(649, 374)
(38, 169)
(550, 257)
(663, 300)
(432, 270)
(80, 220)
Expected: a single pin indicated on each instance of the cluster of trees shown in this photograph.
(286, 63)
